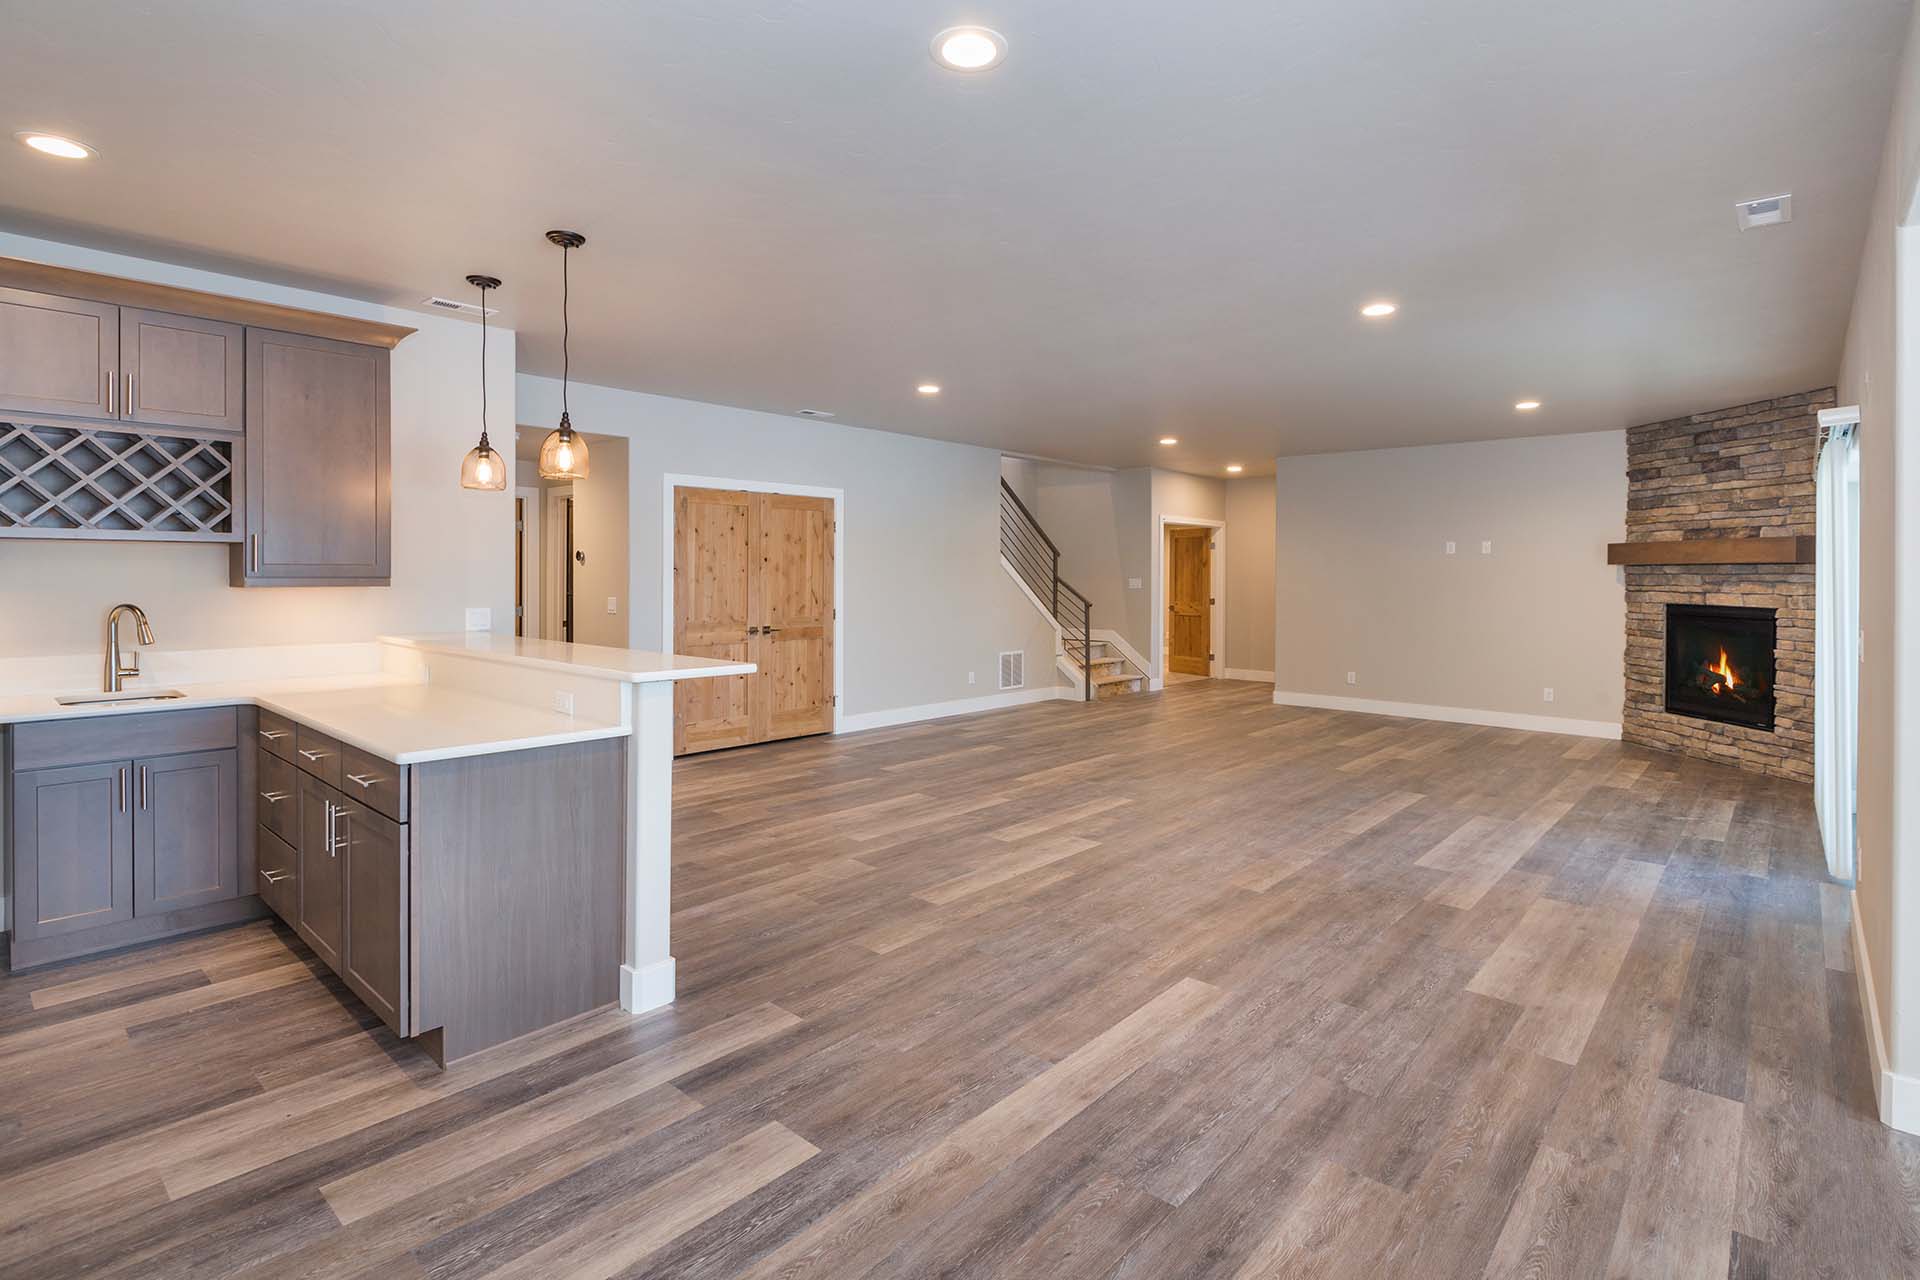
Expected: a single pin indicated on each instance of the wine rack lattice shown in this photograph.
(82, 481)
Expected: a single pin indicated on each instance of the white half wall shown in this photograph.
(1363, 584)
(926, 601)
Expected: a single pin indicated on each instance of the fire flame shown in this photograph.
(1725, 672)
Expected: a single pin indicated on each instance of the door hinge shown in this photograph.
(1211, 600)
(519, 611)
(1210, 546)
(836, 700)
(1209, 657)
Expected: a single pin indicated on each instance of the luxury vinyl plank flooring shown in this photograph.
(1173, 987)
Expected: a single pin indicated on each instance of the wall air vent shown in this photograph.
(1013, 669)
(465, 308)
(1765, 212)
(814, 413)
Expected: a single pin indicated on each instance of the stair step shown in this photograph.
(1117, 678)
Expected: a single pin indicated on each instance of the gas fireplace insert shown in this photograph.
(1720, 663)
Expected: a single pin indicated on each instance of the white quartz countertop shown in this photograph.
(629, 666)
(396, 718)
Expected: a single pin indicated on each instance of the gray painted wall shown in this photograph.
(1362, 582)
(1250, 609)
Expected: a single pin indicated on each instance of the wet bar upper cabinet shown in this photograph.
(137, 411)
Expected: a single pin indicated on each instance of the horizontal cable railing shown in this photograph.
(1026, 547)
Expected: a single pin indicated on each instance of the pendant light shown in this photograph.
(483, 468)
(563, 454)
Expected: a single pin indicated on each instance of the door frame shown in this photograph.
(672, 481)
(1216, 587)
(533, 622)
(553, 603)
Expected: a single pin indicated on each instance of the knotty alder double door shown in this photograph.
(753, 582)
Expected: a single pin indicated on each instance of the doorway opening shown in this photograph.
(1191, 609)
(570, 550)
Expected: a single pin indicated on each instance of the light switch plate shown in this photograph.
(479, 619)
(613, 604)
(563, 701)
(1486, 548)
(1133, 584)
(1353, 677)
(1452, 547)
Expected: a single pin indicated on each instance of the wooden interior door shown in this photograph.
(1189, 607)
(792, 591)
(712, 598)
(753, 582)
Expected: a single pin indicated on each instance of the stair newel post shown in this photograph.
(1086, 646)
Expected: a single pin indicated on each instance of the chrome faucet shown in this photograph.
(117, 667)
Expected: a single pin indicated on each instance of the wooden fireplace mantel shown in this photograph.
(1790, 550)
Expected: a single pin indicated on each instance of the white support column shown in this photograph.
(646, 977)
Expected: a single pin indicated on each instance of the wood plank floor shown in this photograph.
(1181, 985)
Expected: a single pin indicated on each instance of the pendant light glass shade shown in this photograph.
(483, 467)
(563, 454)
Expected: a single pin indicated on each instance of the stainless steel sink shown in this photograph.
(114, 699)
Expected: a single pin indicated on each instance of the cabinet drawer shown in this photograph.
(317, 754)
(276, 734)
(379, 784)
(279, 806)
(278, 879)
(49, 744)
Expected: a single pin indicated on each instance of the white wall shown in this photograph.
(926, 600)
(451, 547)
(1362, 582)
(1880, 371)
(1250, 520)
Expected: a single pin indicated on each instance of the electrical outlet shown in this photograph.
(613, 604)
(1133, 584)
(1486, 548)
(1353, 677)
(563, 701)
(969, 677)
(479, 619)
(1546, 695)
(1452, 547)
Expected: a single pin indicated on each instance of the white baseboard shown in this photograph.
(648, 987)
(1898, 1096)
(958, 707)
(1241, 673)
(1454, 715)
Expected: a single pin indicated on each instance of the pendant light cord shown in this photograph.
(483, 370)
(566, 327)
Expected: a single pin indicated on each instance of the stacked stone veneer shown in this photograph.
(1740, 472)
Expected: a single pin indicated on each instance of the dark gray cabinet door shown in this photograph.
(321, 888)
(72, 849)
(182, 371)
(375, 854)
(185, 831)
(318, 458)
(58, 355)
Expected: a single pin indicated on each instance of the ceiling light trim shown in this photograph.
(969, 49)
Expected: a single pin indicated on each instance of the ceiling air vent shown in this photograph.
(1764, 212)
(465, 308)
(814, 413)
(1013, 669)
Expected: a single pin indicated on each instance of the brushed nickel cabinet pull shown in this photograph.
(275, 797)
(127, 401)
(315, 756)
(120, 789)
(329, 820)
(143, 786)
(253, 544)
(273, 735)
(362, 780)
(275, 877)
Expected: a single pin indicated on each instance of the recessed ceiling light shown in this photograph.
(52, 144)
(1235, 467)
(928, 388)
(1169, 439)
(969, 48)
(1525, 406)
(1379, 310)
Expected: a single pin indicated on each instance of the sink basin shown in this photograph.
(114, 699)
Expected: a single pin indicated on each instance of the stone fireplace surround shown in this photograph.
(1745, 471)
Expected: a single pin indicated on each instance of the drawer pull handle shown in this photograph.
(364, 780)
(275, 877)
(273, 735)
(275, 797)
(315, 756)
(143, 786)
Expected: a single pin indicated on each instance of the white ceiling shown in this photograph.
(1151, 219)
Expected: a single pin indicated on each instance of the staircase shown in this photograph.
(1027, 553)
